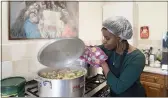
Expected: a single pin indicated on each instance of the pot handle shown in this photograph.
(37, 79)
(44, 82)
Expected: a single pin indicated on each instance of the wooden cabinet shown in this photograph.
(155, 84)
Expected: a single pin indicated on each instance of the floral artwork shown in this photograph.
(43, 19)
(144, 32)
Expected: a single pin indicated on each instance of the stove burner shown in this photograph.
(98, 77)
(33, 90)
(98, 81)
(105, 92)
(31, 82)
(91, 85)
(87, 89)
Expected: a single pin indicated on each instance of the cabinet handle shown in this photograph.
(155, 79)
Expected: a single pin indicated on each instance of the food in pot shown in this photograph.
(66, 73)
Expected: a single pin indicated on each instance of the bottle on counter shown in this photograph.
(146, 53)
(151, 56)
(159, 55)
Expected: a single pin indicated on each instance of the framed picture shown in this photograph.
(165, 40)
(43, 19)
(144, 32)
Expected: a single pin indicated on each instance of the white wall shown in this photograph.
(120, 9)
(154, 15)
(90, 21)
(20, 57)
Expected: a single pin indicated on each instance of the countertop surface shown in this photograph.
(155, 70)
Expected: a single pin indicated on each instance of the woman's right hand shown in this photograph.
(93, 55)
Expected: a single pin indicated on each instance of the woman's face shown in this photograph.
(110, 40)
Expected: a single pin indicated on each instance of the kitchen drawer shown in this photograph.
(166, 82)
(153, 78)
(149, 84)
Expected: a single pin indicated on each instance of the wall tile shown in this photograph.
(20, 68)
(33, 67)
(7, 69)
(30, 50)
(39, 45)
(18, 51)
(150, 42)
(6, 53)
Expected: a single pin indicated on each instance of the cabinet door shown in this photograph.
(153, 90)
(145, 87)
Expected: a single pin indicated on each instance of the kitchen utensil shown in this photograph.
(61, 52)
(13, 87)
(61, 87)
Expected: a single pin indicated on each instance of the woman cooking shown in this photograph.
(125, 63)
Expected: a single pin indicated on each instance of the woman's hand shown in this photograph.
(105, 68)
(94, 56)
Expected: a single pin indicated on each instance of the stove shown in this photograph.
(94, 87)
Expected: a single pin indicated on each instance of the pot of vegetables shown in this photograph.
(62, 82)
(62, 77)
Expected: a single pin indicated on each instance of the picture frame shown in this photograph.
(144, 32)
(43, 19)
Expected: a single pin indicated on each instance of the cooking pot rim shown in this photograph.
(82, 68)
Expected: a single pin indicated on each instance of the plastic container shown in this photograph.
(13, 87)
(159, 55)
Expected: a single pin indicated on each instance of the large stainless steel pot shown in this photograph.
(58, 54)
(61, 88)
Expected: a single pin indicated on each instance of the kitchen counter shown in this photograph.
(155, 70)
